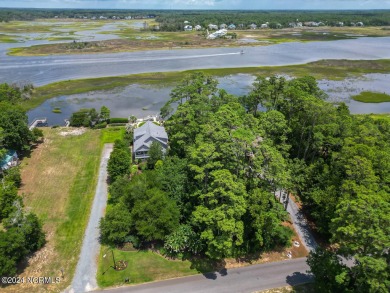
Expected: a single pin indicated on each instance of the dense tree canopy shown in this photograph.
(20, 233)
(230, 155)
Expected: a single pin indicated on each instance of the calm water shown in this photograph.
(141, 100)
(41, 70)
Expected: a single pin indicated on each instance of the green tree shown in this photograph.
(329, 273)
(37, 134)
(12, 250)
(362, 225)
(115, 225)
(104, 113)
(119, 163)
(13, 121)
(80, 118)
(9, 94)
(156, 217)
(183, 239)
(219, 216)
(31, 228)
(9, 199)
(155, 154)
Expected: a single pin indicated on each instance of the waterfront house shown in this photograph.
(145, 135)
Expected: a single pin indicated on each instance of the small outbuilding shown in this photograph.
(9, 160)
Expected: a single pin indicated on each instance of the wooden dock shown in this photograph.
(38, 122)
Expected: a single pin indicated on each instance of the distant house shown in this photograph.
(253, 26)
(223, 26)
(212, 26)
(311, 23)
(340, 23)
(10, 160)
(188, 28)
(359, 23)
(218, 34)
(198, 27)
(231, 27)
(264, 25)
(145, 135)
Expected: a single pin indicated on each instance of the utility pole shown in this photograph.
(113, 258)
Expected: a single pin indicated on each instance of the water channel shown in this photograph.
(142, 100)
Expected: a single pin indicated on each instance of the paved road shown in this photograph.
(42, 70)
(85, 275)
(246, 279)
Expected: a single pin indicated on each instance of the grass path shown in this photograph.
(59, 181)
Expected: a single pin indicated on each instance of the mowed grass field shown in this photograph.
(143, 266)
(147, 266)
(59, 180)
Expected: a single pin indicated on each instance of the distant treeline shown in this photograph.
(9, 14)
(173, 20)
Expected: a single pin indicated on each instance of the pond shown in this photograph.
(143, 100)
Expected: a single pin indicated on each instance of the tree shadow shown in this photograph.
(299, 278)
(210, 269)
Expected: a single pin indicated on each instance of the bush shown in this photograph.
(117, 124)
(101, 125)
(118, 120)
(133, 240)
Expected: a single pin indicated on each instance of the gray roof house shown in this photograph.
(9, 160)
(145, 135)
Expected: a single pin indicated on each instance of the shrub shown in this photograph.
(117, 124)
(118, 120)
(101, 125)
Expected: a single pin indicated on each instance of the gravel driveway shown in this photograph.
(85, 276)
(300, 224)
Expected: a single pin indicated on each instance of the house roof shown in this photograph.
(7, 158)
(143, 135)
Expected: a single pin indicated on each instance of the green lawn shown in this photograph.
(59, 182)
(324, 69)
(371, 97)
(111, 134)
(143, 266)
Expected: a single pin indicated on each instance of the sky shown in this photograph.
(201, 4)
